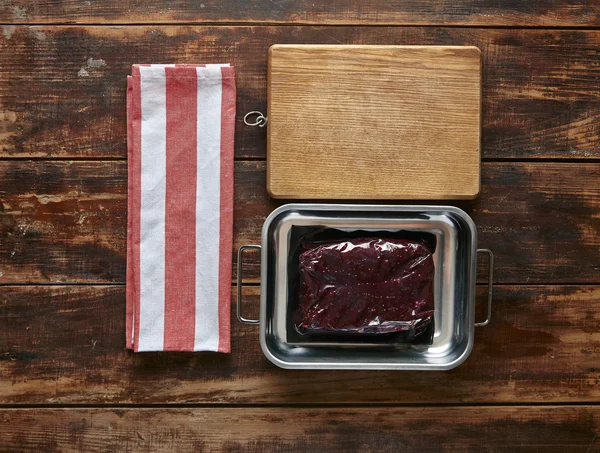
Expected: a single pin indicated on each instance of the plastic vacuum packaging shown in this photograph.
(365, 286)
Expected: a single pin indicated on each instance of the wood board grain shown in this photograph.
(431, 429)
(66, 345)
(63, 90)
(373, 122)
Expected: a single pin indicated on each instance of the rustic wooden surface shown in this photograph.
(528, 13)
(547, 429)
(65, 221)
(541, 96)
(373, 122)
(543, 347)
(532, 382)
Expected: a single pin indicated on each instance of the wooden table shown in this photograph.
(67, 384)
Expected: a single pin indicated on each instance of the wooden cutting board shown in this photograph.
(374, 122)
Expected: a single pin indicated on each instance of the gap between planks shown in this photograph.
(294, 405)
(301, 24)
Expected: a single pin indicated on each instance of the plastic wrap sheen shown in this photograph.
(365, 285)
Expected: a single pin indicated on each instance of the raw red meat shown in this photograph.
(367, 285)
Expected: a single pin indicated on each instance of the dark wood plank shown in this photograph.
(66, 221)
(63, 222)
(539, 219)
(450, 429)
(65, 345)
(538, 13)
(63, 90)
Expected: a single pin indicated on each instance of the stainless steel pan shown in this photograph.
(455, 260)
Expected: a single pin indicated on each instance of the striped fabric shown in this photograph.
(180, 127)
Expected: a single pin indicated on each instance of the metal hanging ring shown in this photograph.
(260, 121)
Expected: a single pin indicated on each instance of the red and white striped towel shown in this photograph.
(180, 128)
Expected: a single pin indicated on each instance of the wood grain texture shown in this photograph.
(63, 90)
(373, 122)
(454, 429)
(574, 13)
(62, 96)
(65, 222)
(66, 345)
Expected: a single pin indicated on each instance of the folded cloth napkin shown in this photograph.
(180, 128)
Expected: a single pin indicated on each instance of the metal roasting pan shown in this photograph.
(455, 260)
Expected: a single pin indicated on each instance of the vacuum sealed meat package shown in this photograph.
(365, 286)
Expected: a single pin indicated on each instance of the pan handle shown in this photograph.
(490, 279)
(239, 284)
